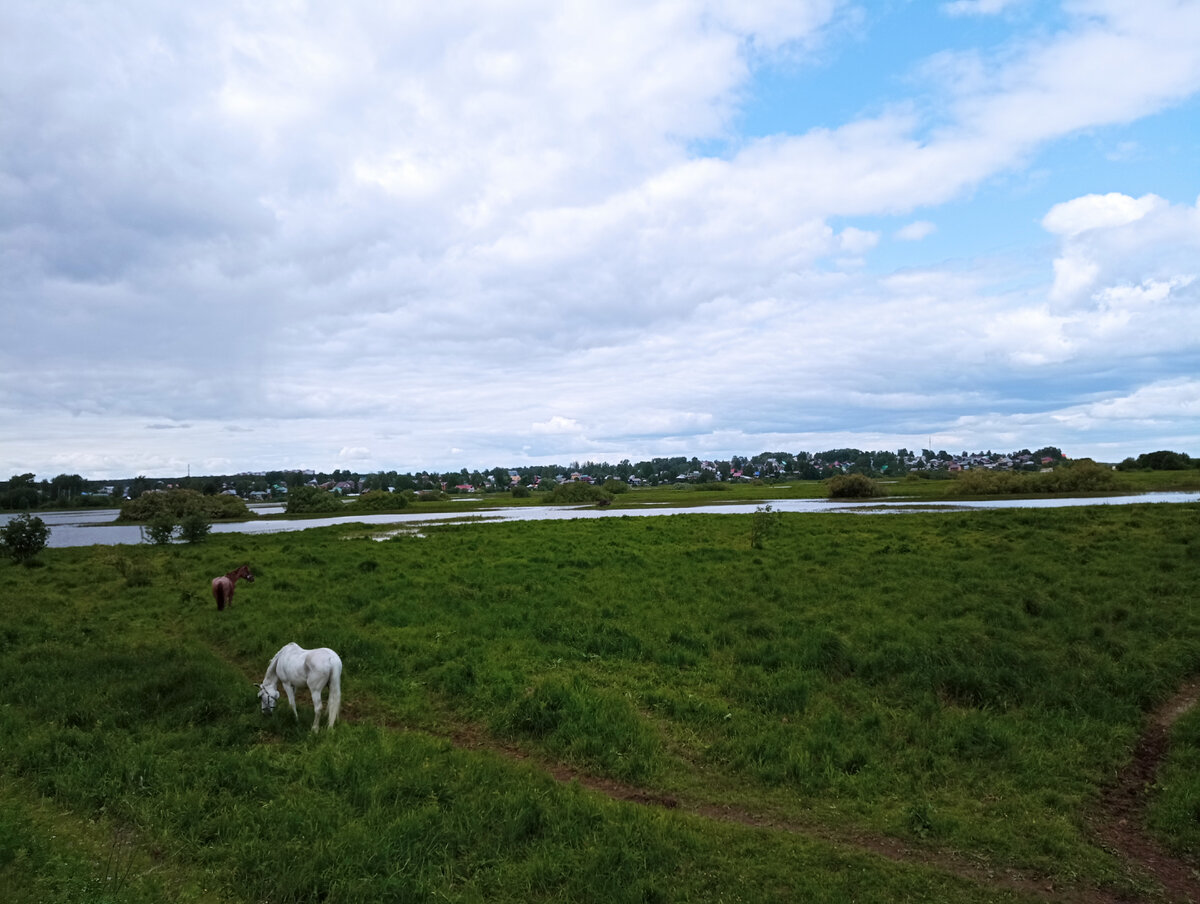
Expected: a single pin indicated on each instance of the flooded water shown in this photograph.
(97, 527)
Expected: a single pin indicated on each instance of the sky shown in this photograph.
(247, 236)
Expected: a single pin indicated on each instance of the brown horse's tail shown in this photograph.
(219, 593)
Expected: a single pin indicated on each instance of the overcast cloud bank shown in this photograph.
(404, 237)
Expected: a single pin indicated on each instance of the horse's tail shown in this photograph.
(335, 690)
(219, 593)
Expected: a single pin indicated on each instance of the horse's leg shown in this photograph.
(316, 695)
(291, 692)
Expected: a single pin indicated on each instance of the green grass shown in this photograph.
(1175, 812)
(961, 683)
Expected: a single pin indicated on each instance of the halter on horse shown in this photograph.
(296, 666)
(224, 586)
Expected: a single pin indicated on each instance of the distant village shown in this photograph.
(23, 492)
(654, 472)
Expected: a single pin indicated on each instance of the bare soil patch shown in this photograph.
(1119, 822)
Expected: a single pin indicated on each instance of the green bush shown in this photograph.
(1080, 476)
(578, 492)
(763, 523)
(615, 486)
(379, 501)
(306, 500)
(161, 529)
(194, 528)
(23, 537)
(176, 504)
(520, 491)
(854, 486)
(992, 483)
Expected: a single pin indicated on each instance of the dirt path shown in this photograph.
(1120, 820)
(894, 849)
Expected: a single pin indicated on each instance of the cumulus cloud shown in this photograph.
(1097, 211)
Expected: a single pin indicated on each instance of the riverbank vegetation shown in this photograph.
(902, 708)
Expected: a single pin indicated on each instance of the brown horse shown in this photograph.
(223, 586)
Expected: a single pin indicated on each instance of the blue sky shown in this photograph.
(382, 236)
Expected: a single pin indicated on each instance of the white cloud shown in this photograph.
(915, 231)
(372, 234)
(1074, 273)
(857, 241)
(1097, 212)
(556, 424)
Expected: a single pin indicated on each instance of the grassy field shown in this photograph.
(923, 707)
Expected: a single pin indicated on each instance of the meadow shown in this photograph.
(918, 707)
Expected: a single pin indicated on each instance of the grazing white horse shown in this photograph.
(296, 666)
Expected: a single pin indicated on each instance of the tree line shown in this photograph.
(23, 492)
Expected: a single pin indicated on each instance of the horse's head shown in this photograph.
(268, 697)
(244, 574)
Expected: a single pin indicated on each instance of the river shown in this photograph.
(97, 527)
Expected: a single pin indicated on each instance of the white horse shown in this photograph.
(296, 666)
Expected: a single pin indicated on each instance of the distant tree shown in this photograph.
(1049, 452)
(138, 485)
(1165, 461)
(21, 494)
(66, 487)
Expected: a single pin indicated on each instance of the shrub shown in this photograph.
(305, 500)
(763, 523)
(161, 529)
(578, 492)
(177, 504)
(991, 483)
(854, 486)
(194, 528)
(615, 486)
(520, 491)
(1080, 476)
(379, 501)
(23, 537)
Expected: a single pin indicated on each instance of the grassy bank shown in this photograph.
(962, 685)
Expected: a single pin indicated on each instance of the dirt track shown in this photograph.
(1118, 822)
